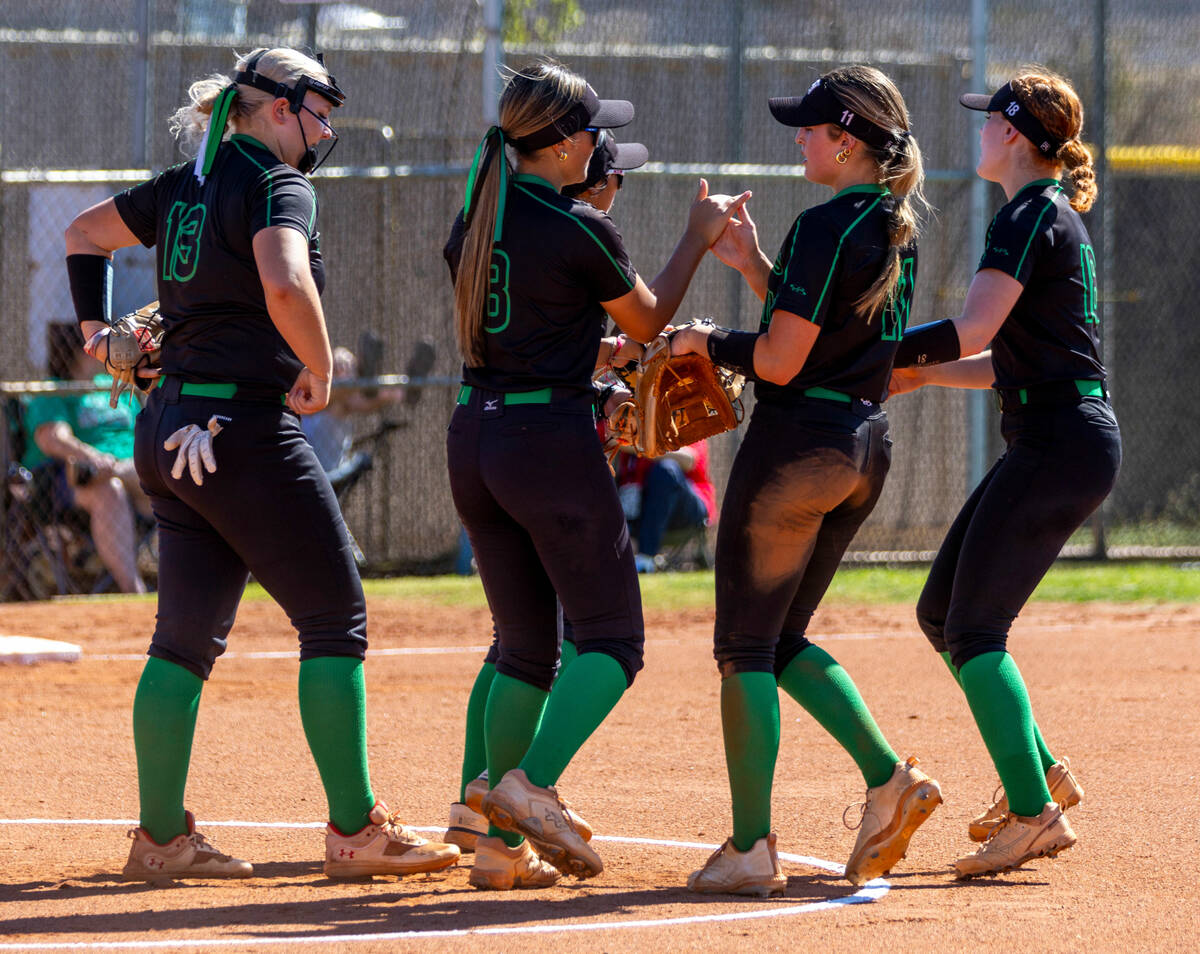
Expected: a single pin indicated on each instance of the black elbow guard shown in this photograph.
(932, 343)
(90, 278)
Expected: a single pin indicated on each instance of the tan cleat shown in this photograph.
(383, 847)
(1065, 791)
(1016, 840)
(500, 868)
(184, 856)
(516, 804)
(465, 827)
(891, 814)
(729, 871)
(477, 788)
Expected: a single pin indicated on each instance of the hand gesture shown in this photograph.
(737, 246)
(309, 394)
(709, 214)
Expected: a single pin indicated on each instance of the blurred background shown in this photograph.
(88, 85)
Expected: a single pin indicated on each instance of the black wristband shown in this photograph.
(90, 277)
(733, 349)
(933, 343)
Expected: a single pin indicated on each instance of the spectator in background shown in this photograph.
(83, 450)
(331, 431)
(672, 492)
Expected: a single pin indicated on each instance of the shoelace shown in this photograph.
(862, 814)
(1000, 826)
(200, 843)
(396, 830)
(563, 807)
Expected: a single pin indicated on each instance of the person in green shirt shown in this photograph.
(86, 449)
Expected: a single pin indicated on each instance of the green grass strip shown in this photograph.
(1067, 582)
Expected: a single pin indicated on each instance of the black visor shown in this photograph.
(293, 94)
(591, 112)
(819, 105)
(1005, 101)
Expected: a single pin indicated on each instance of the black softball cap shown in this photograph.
(820, 105)
(591, 112)
(609, 156)
(1005, 101)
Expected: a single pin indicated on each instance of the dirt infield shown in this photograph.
(1115, 687)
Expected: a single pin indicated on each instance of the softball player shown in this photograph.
(234, 485)
(1034, 299)
(535, 273)
(812, 465)
(605, 175)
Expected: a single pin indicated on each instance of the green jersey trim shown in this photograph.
(838, 252)
(271, 178)
(537, 180)
(869, 187)
(590, 233)
(1037, 224)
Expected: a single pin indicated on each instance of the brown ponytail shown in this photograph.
(1053, 100)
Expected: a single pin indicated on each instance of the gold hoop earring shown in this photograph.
(842, 157)
(562, 157)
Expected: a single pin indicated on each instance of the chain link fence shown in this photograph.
(88, 87)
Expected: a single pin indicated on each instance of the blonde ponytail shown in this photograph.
(899, 167)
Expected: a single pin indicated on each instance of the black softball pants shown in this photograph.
(1060, 463)
(803, 482)
(267, 510)
(540, 506)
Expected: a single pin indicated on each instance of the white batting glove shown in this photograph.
(195, 449)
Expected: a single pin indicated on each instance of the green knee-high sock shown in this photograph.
(513, 714)
(999, 702)
(1043, 750)
(816, 681)
(164, 721)
(333, 709)
(566, 656)
(750, 725)
(584, 694)
(475, 745)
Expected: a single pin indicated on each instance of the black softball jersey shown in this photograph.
(1053, 331)
(829, 259)
(556, 261)
(217, 327)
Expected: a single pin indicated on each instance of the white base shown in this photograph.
(32, 649)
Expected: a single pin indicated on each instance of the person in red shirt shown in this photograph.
(672, 492)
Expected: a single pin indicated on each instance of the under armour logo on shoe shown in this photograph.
(343, 853)
(153, 861)
(556, 820)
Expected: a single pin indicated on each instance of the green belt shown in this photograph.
(1086, 388)
(825, 394)
(211, 389)
(542, 396)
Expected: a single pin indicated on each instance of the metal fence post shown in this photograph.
(977, 418)
(493, 59)
(1102, 240)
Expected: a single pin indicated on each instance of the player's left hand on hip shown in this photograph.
(195, 449)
